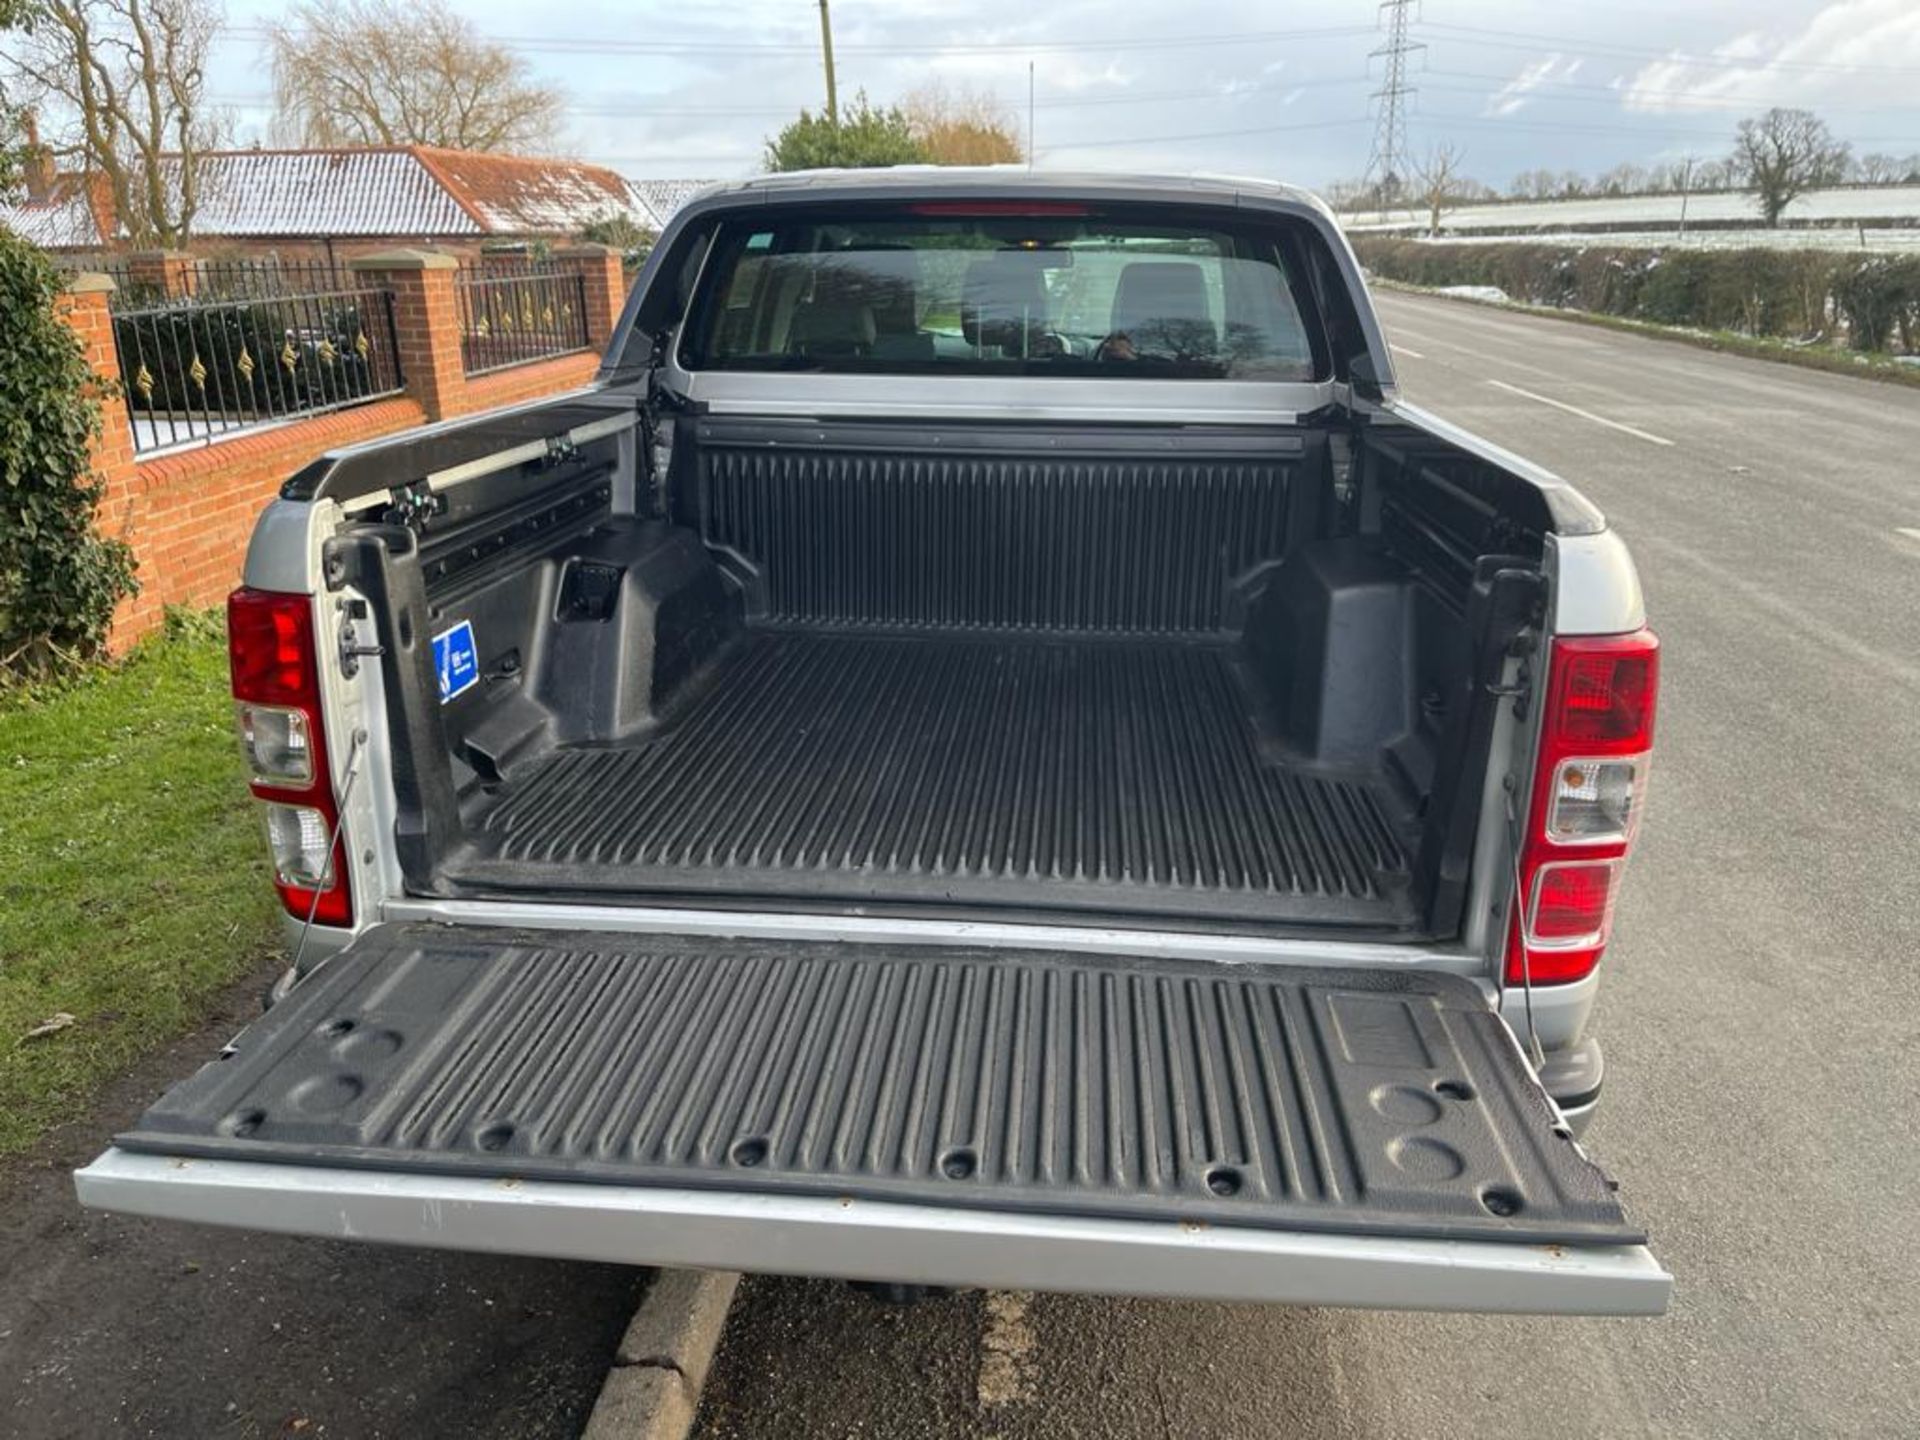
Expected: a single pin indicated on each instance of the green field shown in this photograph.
(132, 872)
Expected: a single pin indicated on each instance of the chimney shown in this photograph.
(37, 162)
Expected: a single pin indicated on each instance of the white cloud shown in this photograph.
(1516, 92)
(1849, 50)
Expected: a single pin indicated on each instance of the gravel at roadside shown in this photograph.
(116, 1325)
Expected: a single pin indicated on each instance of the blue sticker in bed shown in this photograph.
(456, 660)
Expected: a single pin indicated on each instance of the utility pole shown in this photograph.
(1029, 117)
(826, 55)
(1686, 188)
(1387, 165)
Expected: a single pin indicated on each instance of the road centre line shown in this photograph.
(1403, 350)
(1646, 435)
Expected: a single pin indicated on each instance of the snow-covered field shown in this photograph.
(1900, 241)
(1661, 213)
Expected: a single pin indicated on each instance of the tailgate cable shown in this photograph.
(333, 841)
(1534, 1051)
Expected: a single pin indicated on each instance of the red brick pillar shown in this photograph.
(606, 287)
(426, 324)
(169, 274)
(84, 308)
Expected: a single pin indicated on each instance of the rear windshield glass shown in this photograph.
(1000, 294)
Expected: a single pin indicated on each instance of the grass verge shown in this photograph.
(1872, 366)
(131, 886)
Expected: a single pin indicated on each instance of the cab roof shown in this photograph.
(942, 180)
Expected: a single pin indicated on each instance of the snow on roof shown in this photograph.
(514, 195)
(421, 190)
(324, 192)
(61, 220)
(656, 200)
(398, 191)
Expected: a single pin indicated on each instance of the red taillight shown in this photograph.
(1588, 791)
(276, 687)
(1603, 691)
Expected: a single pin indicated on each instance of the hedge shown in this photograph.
(1869, 300)
(59, 577)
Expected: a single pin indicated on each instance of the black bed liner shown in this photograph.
(1119, 775)
(1365, 1101)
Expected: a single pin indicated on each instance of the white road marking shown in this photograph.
(1791, 616)
(1911, 532)
(1403, 350)
(1007, 1344)
(1646, 435)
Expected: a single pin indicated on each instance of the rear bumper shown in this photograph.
(858, 1239)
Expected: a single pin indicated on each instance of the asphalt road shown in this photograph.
(1761, 1015)
(112, 1326)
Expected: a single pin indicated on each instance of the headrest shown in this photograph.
(837, 319)
(1162, 304)
(1003, 298)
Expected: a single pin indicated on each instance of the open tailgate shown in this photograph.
(959, 1116)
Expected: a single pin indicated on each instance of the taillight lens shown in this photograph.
(1571, 904)
(278, 743)
(1589, 791)
(276, 690)
(1595, 801)
(297, 835)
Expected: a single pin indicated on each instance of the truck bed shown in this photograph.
(1117, 775)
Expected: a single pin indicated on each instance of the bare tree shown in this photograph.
(386, 72)
(1438, 173)
(1784, 153)
(1713, 175)
(1345, 194)
(1625, 178)
(1878, 169)
(125, 84)
(15, 143)
(963, 127)
(1535, 185)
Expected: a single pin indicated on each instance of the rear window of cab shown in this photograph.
(957, 289)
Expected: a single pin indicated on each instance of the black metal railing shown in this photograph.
(197, 368)
(129, 288)
(267, 278)
(515, 318)
(141, 283)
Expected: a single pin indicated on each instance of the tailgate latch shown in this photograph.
(351, 650)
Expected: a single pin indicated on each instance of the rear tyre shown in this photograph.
(895, 1292)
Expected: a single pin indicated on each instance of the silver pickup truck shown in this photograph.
(990, 747)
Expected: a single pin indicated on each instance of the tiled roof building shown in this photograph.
(403, 194)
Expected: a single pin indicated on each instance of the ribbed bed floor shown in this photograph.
(1124, 776)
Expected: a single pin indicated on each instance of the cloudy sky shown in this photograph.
(692, 88)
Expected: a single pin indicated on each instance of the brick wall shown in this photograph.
(188, 514)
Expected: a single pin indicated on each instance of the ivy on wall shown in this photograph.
(60, 578)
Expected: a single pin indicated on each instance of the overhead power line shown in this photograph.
(1484, 122)
(640, 108)
(1532, 40)
(1387, 165)
(612, 46)
(1550, 88)
(1147, 141)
